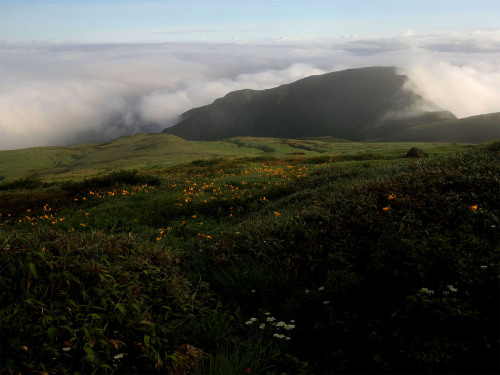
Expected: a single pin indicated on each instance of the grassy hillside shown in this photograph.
(475, 129)
(152, 151)
(353, 104)
(304, 264)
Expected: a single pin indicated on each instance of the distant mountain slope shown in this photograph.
(354, 104)
(475, 129)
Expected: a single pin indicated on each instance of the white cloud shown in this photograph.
(56, 94)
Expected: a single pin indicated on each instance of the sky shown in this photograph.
(82, 71)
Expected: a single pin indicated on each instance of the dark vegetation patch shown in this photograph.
(366, 267)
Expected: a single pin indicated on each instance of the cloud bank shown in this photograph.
(61, 94)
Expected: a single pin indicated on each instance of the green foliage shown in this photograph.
(24, 183)
(371, 265)
(117, 178)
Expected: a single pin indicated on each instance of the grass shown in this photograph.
(315, 263)
(158, 151)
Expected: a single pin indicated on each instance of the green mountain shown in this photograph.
(475, 129)
(355, 104)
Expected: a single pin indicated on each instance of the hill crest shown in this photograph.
(354, 104)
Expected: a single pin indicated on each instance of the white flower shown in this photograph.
(279, 336)
(287, 338)
(250, 321)
(288, 327)
(118, 356)
(292, 321)
(321, 288)
(267, 313)
(271, 319)
(429, 292)
(451, 288)
(326, 302)
(484, 267)
(280, 324)
(262, 325)
(252, 291)
(66, 349)
(307, 290)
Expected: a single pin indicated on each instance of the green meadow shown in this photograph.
(151, 254)
(150, 151)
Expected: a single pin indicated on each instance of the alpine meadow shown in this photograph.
(276, 256)
(249, 187)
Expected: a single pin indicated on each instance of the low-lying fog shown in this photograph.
(61, 94)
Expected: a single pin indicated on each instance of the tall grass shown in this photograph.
(267, 265)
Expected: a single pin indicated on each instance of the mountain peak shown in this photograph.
(354, 104)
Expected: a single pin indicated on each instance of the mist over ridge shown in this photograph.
(354, 104)
(61, 93)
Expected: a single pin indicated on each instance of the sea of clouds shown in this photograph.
(62, 93)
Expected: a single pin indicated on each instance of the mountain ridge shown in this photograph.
(355, 104)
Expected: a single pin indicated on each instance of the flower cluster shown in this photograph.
(279, 329)
(426, 291)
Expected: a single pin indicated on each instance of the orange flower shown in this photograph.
(390, 197)
(473, 208)
(277, 214)
(386, 209)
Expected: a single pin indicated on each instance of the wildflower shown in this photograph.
(390, 197)
(267, 313)
(277, 214)
(252, 291)
(289, 327)
(484, 267)
(248, 370)
(250, 321)
(473, 208)
(326, 302)
(279, 335)
(321, 288)
(288, 338)
(386, 209)
(271, 319)
(307, 291)
(118, 356)
(429, 292)
(451, 288)
(66, 349)
(262, 325)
